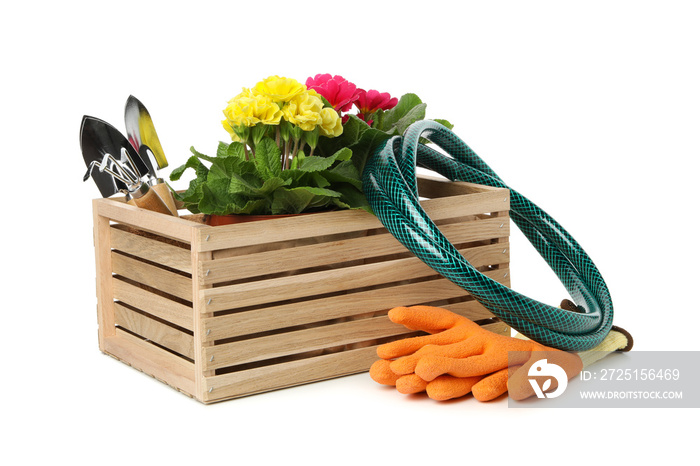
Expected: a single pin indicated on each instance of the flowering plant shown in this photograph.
(295, 148)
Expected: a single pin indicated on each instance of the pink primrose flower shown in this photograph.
(371, 101)
(337, 90)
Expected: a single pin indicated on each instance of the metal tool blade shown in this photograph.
(99, 138)
(142, 133)
(93, 152)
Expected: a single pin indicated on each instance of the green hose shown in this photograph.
(389, 182)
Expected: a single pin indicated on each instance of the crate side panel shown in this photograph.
(152, 250)
(325, 254)
(299, 341)
(316, 310)
(288, 374)
(156, 331)
(265, 318)
(292, 373)
(152, 276)
(318, 283)
(156, 362)
(326, 336)
(331, 223)
(154, 304)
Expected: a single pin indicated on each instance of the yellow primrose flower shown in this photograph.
(249, 109)
(304, 111)
(229, 129)
(331, 124)
(279, 89)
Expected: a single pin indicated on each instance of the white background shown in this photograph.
(590, 109)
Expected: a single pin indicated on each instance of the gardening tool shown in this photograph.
(143, 137)
(389, 182)
(115, 166)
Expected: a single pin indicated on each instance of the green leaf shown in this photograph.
(344, 172)
(296, 177)
(319, 180)
(244, 185)
(315, 163)
(255, 206)
(203, 156)
(404, 105)
(369, 141)
(268, 158)
(237, 150)
(444, 123)
(343, 154)
(413, 115)
(192, 162)
(353, 197)
(272, 184)
(215, 197)
(222, 149)
(296, 200)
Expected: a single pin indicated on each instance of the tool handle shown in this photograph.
(166, 196)
(150, 201)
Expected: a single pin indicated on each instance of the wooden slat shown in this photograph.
(299, 341)
(287, 374)
(103, 278)
(150, 275)
(152, 250)
(154, 222)
(347, 305)
(329, 223)
(310, 284)
(154, 361)
(153, 304)
(165, 335)
(433, 187)
(335, 252)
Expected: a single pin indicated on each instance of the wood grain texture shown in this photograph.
(158, 332)
(151, 249)
(153, 304)
(154, 361)
(153, 276)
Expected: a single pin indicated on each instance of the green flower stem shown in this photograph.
(296, 147)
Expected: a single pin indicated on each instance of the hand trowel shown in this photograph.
(143, 137)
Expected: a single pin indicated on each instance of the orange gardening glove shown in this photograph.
(459, 357)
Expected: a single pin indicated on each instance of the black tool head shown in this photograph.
(98, 138)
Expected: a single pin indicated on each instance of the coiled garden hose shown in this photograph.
(389, 182)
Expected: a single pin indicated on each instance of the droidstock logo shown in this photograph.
(542, 369)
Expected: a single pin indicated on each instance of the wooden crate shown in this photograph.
(227, 311)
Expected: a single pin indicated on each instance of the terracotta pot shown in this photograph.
(217, 220)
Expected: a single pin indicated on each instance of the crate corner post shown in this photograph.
(199, 254)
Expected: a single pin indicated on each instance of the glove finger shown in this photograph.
(492, 386)
(381, 373)
(465, 348)
(431, 366)
(406, 346)
(447, 387)
(427, 318)
(409, 384)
